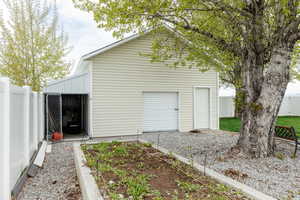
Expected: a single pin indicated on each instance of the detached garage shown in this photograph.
(128, 95)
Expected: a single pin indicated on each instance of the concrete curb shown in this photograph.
(248, 191)
(88, 185)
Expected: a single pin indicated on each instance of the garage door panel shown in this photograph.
(160, 111)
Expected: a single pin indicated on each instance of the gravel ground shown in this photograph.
(279, 178)
(57, 180)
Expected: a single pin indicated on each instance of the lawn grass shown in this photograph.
(137, 171)
(233, 124)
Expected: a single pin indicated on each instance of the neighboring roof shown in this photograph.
(54, 82)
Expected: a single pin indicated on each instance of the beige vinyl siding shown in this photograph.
(121, 75)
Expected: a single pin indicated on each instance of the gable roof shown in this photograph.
(110, 46)
(82, 62)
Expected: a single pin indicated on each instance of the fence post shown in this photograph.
(35, 120)
(5, 193)
(27, 111)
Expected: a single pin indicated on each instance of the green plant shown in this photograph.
(141, 165)
(158, 198)
(147, 144)
(219, 188)
(115, 196)
(137, 187)
(188, 187)
(101, 147)
(279, 155)
(120, 173)
(120, 151)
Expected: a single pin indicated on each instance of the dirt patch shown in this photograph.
(235, 174)
(137, 171)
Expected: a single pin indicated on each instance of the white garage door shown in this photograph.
(160, 111)
(201, 108)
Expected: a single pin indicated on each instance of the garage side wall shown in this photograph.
(121, 75)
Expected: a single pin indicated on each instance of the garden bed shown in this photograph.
(132, 170)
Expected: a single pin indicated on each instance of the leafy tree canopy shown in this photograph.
(216, 29)
(32, 49)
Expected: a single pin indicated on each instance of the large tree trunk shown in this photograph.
(238, 102)
(264, 90)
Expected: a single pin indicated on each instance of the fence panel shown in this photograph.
(226, 107)
(290, 106)
(17, 136)
(41, 117)
(4, 142)
(21, 128)
(31, 132)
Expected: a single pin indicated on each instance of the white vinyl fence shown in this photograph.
(289, 107)
(21, 128)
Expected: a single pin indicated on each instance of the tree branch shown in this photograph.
(234, 48)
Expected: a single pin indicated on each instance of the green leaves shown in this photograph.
(209, 34)
(32, 49)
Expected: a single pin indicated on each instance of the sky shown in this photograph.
(83, 33)
(84, 37)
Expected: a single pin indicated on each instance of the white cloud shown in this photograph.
(84, 35)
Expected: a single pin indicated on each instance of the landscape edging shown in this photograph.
(247, 190)
(88, 185)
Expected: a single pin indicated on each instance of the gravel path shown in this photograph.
(57, 180)
(273, 176)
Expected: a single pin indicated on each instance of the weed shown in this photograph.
(279, 155)
(294, 156)
(120, 173)
(114, 143)
(175, 195)
(115, 196)
(157, 195)
(219, 188)
(141, 165)
(187, 187)
(137, 187)
(103, 146)
(147, 145)
(120, 151)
